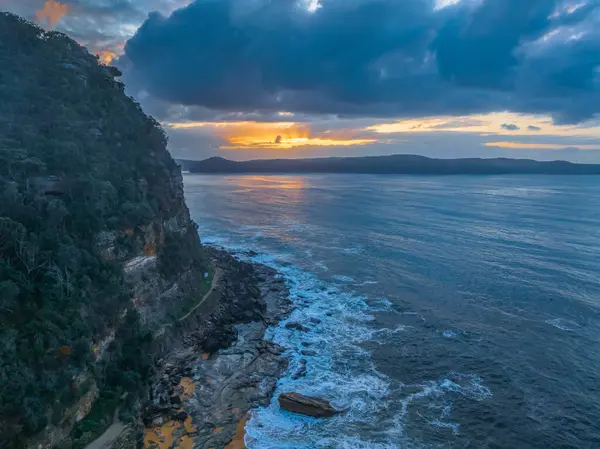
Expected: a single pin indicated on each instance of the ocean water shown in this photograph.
(444, 312)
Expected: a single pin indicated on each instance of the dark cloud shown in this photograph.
(510, 127)
(373, 57)
(476, 47)
(534, 128)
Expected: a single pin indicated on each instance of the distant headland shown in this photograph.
(396, 164)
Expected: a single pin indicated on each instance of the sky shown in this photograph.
(246, 79)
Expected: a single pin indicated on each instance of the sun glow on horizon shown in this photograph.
(274, 135)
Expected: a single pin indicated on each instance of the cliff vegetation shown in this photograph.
(86, 184)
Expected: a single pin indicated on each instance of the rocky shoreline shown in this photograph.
(206, 386)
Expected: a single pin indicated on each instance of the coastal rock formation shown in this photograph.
(118, 327)
(225, 385)
(296, 326)
(307, 405)
(100, 263)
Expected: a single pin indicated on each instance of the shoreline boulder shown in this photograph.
(307, 405)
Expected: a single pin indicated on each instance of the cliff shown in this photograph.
(98, 255)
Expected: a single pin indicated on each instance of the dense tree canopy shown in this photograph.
(77, 157)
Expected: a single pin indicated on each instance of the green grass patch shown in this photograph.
(97, 420)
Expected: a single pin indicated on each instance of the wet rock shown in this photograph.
(179, 416)
(307, 405)
(297, 326)
(254, 292)
(274, 349)
(214, 337)
(301, 371)
(158, 421)
(242, 372)
(308, 352)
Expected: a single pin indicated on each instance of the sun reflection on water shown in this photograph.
(272, 192)
(268, 182)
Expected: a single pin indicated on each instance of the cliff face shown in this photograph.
(97, 249)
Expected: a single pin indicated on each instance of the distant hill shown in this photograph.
(396, 164)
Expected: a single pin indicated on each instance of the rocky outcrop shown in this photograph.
(296, 326)
(200, 396)
(307, 405)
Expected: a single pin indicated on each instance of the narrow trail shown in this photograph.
(215, 281)
(105, 440)
(213, 286)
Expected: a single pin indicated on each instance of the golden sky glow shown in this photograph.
(539, 146)
(496, 130)
(489, 124)
(52, 12)
(274, 135)
(106, 56)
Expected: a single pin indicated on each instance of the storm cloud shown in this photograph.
(373, 57)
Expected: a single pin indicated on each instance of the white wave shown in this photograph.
(343, 278)
(445, 425)
(383, 336)
(421, 317)
(341, 370)
(321, 266)
(442, 392)
(369, 283)
(449, 334)
(213, 240)
(562, 324)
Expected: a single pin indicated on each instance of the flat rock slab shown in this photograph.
(307, 405)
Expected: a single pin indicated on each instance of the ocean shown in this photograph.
(444, 312)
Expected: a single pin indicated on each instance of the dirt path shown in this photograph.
(108, 437)
(215, 281)
(216, 278)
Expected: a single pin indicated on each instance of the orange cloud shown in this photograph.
(106, 56)
(52, 12)
(539, 146)
(273, 135)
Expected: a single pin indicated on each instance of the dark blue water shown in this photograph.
(452, 312)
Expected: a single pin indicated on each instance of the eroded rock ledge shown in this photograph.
(223, 368)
